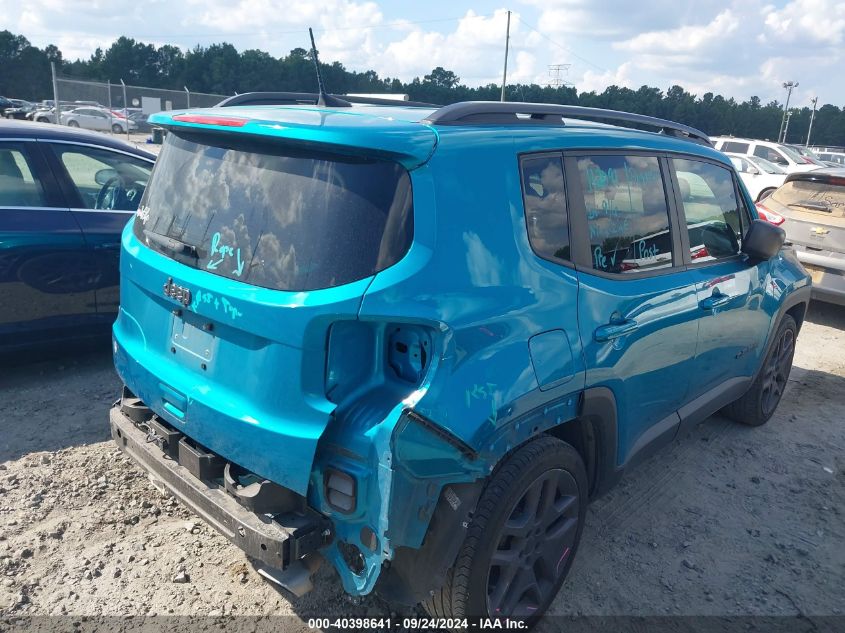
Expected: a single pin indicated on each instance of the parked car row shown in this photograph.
(15, 108)
(88, 115)
(832, 157)
(790, 157)
(102, 119)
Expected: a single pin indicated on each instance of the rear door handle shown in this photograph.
(714, 301)
(615, 329)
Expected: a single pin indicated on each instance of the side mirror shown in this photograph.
(763, 240)
(105, 175)
(753, 170)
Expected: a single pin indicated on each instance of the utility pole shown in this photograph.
(814, 101)
(125, 109)
(507, 45)
(789, 85)
(57, 110)
(786, 127)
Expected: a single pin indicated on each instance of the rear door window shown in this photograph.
(733, 146)
(18, 186)
(714, 216)
(770, 154)
(273, 216)
(627, 213)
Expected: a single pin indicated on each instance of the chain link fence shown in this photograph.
(117, 108)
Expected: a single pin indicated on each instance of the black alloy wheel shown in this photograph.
(776, 371)
(535, 542)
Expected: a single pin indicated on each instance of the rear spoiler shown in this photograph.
(339, 131)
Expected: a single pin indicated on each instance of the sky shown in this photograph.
(734, 48)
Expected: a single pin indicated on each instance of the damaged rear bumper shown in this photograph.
(277, 537)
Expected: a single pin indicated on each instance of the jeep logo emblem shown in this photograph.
(175, 291)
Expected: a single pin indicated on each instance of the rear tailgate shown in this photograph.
(232, 370)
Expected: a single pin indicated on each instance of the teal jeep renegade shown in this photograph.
(415, 342)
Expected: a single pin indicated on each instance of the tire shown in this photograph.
(72, 124)
(765, 194)
(43, 119)
(117, 129)
(762, 399)
(532, 473)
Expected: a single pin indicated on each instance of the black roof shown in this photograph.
(15, 129)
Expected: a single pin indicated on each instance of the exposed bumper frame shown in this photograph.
(261, 537)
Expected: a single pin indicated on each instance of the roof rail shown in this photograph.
(309, 98)
(509, 113)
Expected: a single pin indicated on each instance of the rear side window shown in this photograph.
(545, 206)
(770, 154)
(275, 217)
(713, 212)
(627, 213)
(18, 185)
(733, 146)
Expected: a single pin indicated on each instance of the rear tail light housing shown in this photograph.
(768, 215)
(341, 490)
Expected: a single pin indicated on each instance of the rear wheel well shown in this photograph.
(797, 312)
(579, 434)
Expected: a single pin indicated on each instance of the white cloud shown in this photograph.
(474, 50)
(684, 40)
(801, 21)
(593, 81)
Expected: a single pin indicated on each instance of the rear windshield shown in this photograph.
(272, 217)
(816, 197)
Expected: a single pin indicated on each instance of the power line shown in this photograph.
(562, 47)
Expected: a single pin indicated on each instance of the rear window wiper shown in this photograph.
(815, 206)
(172, 244)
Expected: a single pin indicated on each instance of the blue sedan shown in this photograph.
(65, 196)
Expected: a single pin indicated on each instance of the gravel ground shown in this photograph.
(728, 520)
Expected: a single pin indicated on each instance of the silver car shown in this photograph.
(813, 205)
(101, 119)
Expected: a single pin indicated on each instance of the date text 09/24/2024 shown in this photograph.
(382, 624)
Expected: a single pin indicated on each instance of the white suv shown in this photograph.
(776, 153)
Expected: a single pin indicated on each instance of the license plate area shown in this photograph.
(196, 342)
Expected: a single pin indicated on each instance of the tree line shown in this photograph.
(221, 69)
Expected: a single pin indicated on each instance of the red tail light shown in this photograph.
(769, 216)
(208, 119)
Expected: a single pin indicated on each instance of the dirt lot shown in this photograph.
(727, 521)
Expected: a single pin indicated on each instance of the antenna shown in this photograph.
(324, 99)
